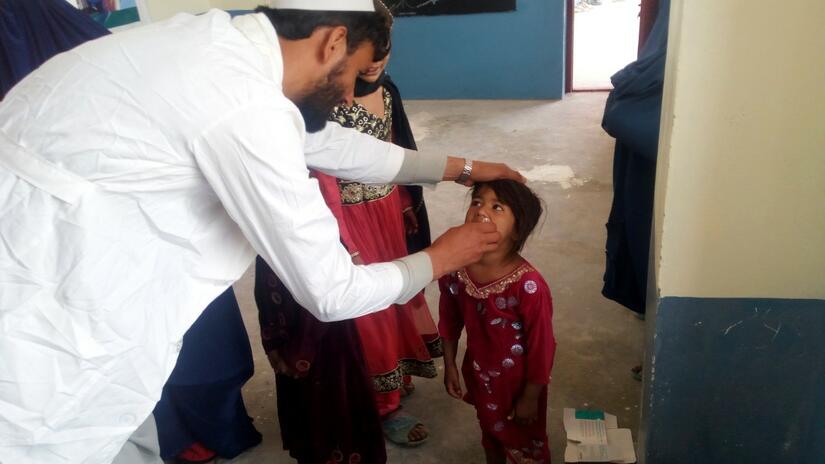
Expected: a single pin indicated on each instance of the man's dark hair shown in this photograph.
(523, 202)
(361, 26)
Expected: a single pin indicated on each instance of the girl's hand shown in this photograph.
(526, 410)
(280, 366)
(452, 382)
(410, 221)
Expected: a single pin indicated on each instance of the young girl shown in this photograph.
(385, 222)
(506, 308)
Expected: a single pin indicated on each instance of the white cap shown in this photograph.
(323, 5)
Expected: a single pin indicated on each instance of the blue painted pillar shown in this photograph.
(737, 380)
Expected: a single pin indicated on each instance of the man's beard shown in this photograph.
(317, 105)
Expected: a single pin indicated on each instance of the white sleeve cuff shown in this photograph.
(421, 167)
(417, 273)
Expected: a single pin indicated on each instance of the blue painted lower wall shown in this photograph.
(515, 55)
(737, 381)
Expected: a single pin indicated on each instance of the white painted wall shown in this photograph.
(162, 9)
(237, 4)
(740, 208)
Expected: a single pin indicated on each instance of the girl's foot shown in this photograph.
(404, 429)
(407, 390)
(419, 433)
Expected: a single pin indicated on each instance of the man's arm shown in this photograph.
(349, 154)
(253, 160)
(352, 155)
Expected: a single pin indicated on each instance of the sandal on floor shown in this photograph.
(397, 428)
(196, 454)
(637, 373)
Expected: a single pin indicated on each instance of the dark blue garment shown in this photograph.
(632, 116)
(202, 401)
(32, 31)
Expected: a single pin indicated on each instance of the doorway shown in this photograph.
(603, 37)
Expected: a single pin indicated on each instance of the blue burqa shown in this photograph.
(32, 31)
(632, 116)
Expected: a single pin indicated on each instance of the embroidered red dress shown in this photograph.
(510, 342)
(401, 340)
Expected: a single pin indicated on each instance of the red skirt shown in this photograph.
(401, 340)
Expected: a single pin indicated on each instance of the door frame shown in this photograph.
(647, 17)
(648, 10)
(570, 8)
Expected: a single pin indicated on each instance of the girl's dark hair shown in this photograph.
(361, 26)
(524, 203)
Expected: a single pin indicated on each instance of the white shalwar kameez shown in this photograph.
(139, 175)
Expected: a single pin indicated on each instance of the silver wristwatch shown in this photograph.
(465, 173)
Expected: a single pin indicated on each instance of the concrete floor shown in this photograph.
(568, 158)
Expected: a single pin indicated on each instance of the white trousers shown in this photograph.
(142, 447)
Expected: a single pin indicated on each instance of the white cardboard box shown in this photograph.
(597, 438)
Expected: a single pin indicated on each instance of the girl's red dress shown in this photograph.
(401, 340)
(510, 342)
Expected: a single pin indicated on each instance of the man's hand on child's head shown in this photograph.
(482, 171)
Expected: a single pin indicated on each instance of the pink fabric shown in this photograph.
(388, 403)
(375, 229)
